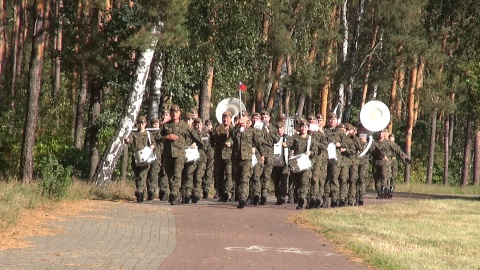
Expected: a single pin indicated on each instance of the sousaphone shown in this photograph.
(374, 117)
(233, 105)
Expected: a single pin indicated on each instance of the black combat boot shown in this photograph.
(263, 200)
(216, 196)
(195, 198)
(205, 194)
(139, 196)
(384, 193)
(390, 192)
(256, 199)
(149, 195)
(326, 202)
(300, 201)
(241, 204)
(341, 203)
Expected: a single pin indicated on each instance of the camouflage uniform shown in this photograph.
(396, 150)
(280, 175)
(354, 170)
(202, 139)
(153, 173)
(244, 140)
(208, 178)
(174, 156)
(302, 179)
(332, 185)
(319, 170)
(187, 174)
(140, 141)
(270, 137)
(381, 152)
(223, 160)
(344, 164)
(257, 170)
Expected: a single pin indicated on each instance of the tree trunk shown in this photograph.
(156, 89)
(206, 91)
(352, 63)
(42, 11)
(411, 114)
(446, 151)
(124, 164)
(366, 77)
(94, 128)
(286, 92)
(343, 60)
(476, 160)
(276, 83)
(14, 49)
(300, 104)
(113, 151)
(3, 44)
(431, 155)
(57, 48)
(81, 105)
(467, 153)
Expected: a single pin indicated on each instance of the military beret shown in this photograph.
(141, 119)
(348, 126)
(175, 108)
(311, 117)
(154, 120)
(341, 126)
(197, 120)
(280, 124)
(193, 111)
(303, 123)
(227, 113)
(189, 116)
(283, 116)
(319, 116)
(332, 115)
(265, 113)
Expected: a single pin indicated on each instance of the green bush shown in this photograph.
(56, 179)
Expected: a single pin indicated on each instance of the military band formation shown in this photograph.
(241, 158)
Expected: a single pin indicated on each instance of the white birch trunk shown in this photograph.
(341, 88)
(112, 153)
(156, 90)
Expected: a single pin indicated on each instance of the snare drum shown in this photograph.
(300, 163)
(144, 157)
(191, 154)
(278, 161)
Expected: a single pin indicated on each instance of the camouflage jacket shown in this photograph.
(140, 140)
(299, 144)
(385, 148)
(175, 148)
(219, 137)
(202, 139)
(243, 142)
(270, 137)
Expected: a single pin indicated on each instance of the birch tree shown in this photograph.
(114, 150)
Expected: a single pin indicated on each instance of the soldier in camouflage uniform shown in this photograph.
(381, 152)
(363, 170)
(174, 133)
(208, 175)
(347, 151)
(244, 140)
(332, 186)
(257, 171)
(299, 143)
(162, 177)
(140, 140)
(222, 142)
(280, 173)
(394, 166)
(270, 138)
(353, 177)
(319, 163)
(201, 139)
(188, 166)
(154, 171)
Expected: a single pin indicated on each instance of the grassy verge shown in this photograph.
(16, 196)
(424, 234)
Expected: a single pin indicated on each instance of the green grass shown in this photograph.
(423, 234)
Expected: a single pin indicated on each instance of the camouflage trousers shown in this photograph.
(208, 179)
(172, 168)
(255, 184)
(266, 178)
(332, 186)
(352, 184)
(187, 179)
(381, 175)
(301, 181)
(223, 175)
(319, 176)
(242, 173)
(394, 173)
(153, 176)
(280, 181)
(141, 174)
(362, 181)
(343, 183)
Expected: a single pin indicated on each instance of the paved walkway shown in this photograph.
(155, 235)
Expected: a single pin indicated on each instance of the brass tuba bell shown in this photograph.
(233, 105)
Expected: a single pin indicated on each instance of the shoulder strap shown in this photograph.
(148, 134)
(309, 142)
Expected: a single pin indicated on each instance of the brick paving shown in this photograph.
(155, 235)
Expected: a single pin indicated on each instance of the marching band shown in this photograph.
(241, 158)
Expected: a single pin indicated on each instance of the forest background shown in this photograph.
(76, 74)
